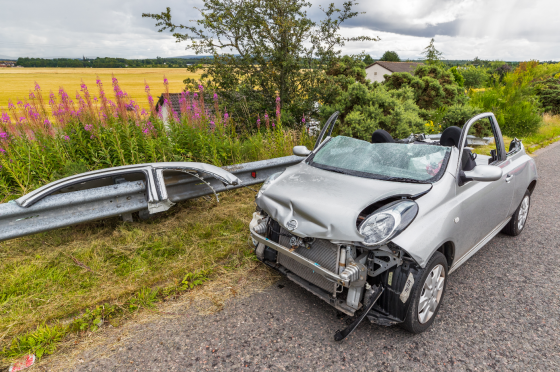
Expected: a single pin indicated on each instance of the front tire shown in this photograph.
(519, 218)
(427, 295)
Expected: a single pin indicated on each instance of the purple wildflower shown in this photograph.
(5, 118)
(215, 96)
(88, 127)
(97, 81)
(31, 95)
(37, 87)
(303, 119)
(3, 135)
(2, 150)
(165, 81)
(66, 138)
(258, 121)
(201, 88)
(47, 122)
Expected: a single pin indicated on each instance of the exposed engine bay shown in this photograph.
(362, 270)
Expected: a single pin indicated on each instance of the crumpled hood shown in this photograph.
(326, 204)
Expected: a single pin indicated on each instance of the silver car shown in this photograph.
(375, 228)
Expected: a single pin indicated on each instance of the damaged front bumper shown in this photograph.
(329, 275)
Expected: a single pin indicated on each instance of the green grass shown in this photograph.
(114, 268)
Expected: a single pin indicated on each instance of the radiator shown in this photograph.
(321, 251)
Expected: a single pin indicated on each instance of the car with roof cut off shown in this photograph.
(375, 228)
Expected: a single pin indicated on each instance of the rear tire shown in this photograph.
(428, 295)
(519, 218)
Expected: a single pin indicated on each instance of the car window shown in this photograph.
(481, 141)
(395, 161)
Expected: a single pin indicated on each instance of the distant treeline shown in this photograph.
(106, 62)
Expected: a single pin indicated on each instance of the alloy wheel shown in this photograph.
(431, 294)
(523, 212)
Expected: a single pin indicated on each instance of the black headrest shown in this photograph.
(381, 136)
(450, 137)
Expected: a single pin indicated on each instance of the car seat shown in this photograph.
(450, 137)
(381, 136)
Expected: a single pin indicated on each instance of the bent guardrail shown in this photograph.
(123, 198)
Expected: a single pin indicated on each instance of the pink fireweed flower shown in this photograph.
(66, 138)
(303, 119)
(2, 150)
(83, 86)
(215, 96)
(226, 116)
(77, 96)
(165, 81)
(3, 135)
(267, 120)
(95, 99)
(97, 81)
(115, 81)
(5, 118)
(92, 137)
(147, 88)
(20, 103)
(37, 87)
(258, 121)
(201, 88)
(31, 95)
(195, 95)
(47, 122)
(88, 127)
(11, 106)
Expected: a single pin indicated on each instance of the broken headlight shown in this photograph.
(387, 222)
(268, 182)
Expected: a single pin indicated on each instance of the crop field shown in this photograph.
(15, 83)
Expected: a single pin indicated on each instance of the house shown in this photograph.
(174, 100)
(376, 71)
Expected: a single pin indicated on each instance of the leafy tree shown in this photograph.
(261, 49)
(431, 54)
(475, 77)
(368, 60)
(457, 76)
(432, 86)
(390, 56)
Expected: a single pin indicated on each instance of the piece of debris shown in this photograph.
(22, 363)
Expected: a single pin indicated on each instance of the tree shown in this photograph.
(261, 49)
(390, 56)
(475, 77)
(368, 60)
(431, 54)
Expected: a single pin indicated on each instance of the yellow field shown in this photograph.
(15, 83)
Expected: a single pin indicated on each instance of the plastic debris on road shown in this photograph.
(23, 363)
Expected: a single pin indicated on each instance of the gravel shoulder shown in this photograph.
(501, 312)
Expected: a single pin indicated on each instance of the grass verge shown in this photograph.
(75, 279)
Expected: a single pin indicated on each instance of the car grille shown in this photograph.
(321, 251)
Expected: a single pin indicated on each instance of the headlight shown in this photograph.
(388, 221)
(269, 181)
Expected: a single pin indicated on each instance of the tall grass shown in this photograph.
(41, 142)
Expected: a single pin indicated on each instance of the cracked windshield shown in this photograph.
(387, 161)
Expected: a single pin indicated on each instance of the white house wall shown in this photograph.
(376, 72)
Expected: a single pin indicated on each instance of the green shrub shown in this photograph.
(457, 115)
(433, 87)
(457, 76)
(548, 92)
(513, 102)
(367, 108)
(474, 77)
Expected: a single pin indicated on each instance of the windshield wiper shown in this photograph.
(404, 179)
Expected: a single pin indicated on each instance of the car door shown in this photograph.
(484, 206)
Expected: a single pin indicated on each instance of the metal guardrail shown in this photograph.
(71, 208)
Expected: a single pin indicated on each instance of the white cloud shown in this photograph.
(463, 29)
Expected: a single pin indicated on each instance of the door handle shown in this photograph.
(509, 177)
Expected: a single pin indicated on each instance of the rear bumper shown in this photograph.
(302, 260)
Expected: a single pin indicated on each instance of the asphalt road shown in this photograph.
(501, 312)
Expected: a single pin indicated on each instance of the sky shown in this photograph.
(510, 30)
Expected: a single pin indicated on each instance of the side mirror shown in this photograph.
(482, 173)
(301, 151)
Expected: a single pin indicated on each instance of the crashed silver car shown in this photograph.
(375, 228)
